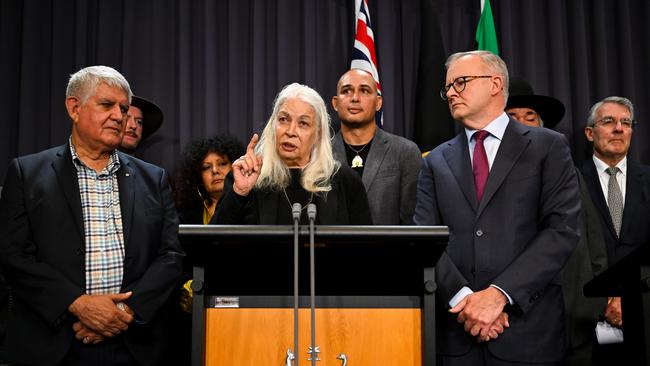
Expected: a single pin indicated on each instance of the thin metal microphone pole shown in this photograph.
(296, 209)
(311, 213)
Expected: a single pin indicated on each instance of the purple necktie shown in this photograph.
(481, 169)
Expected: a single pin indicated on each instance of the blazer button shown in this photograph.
(79, 251)
(479, 233)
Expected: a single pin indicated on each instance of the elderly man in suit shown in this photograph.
(619, 187)
(88, 240)
(510, 197)
(388, 164)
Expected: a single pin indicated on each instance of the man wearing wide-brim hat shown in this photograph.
(143, 119)
(531, 109)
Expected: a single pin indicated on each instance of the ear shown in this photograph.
(72, 105)
(589, 133)
(380, 102)
(335, 103)
(497, 84)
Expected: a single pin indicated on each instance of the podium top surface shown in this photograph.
(349, 260)
(330, 233)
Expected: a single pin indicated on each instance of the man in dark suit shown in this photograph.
(510, 197)
(88, 240)
(619, 187)
(388, 164)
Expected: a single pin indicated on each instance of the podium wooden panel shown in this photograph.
(375, 294)
(368, 337)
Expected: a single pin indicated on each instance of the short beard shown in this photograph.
(357, 125)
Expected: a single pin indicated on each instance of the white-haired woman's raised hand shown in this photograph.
(247, 169)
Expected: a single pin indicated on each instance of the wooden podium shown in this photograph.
(629, 278)
(375, 294)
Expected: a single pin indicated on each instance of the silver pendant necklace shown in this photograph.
(357, 161)
(311, 197)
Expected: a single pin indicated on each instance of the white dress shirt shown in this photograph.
(603, 176)
(497, 129)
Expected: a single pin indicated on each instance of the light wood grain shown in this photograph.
(261, 337)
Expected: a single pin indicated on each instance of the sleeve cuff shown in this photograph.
(460, 295)
(504, 292)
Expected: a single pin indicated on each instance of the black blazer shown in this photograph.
(42, 253)
(518, 237)
(635, 228)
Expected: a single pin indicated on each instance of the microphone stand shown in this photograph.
(296, 209)
(311, 213)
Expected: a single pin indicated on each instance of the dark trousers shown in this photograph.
(480, 356)
(111, 352)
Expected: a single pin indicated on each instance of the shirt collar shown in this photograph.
(113, 161)
(601, 166)
(496, 128)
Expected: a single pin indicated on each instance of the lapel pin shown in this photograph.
(127, 174)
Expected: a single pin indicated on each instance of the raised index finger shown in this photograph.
(251, 145)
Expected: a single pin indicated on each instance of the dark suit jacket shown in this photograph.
(635, 228)
(587, 261)
(42, 253)
(518, 237)
(345, 204)
(390, 176)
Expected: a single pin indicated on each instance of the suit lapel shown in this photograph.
(339, 149)
(376, 155)
(66, 175)
(513, 144)
(634, 196)
(126, 184)
(457, 157)
(593, 183)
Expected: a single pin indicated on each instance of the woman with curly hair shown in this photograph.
(200, 180)
(197, 189)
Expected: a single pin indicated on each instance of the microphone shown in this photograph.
(295, 211)
(311, 212)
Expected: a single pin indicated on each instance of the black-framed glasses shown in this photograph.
(459, 84)
(610, 122)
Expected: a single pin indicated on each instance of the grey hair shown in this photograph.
(322, 166)
(591, 120)
(494, 62)
(83, 83)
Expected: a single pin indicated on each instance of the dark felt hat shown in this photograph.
(521, 94)
(152, 115)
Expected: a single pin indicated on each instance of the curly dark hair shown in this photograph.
(188, 180)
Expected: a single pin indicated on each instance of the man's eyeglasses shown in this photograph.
(610, 122)
(459, 84)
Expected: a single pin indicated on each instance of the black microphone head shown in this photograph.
(295, 210)
(311, 211)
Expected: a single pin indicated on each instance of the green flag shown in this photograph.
(486, 34)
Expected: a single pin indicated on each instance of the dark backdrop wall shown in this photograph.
(214, 66)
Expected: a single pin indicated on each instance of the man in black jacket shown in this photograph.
(88, 240)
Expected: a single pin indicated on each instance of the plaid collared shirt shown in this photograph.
(102, 216)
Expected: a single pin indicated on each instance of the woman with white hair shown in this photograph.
(292, 162)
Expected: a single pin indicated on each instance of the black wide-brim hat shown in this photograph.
(521, 95)
(152, 115)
